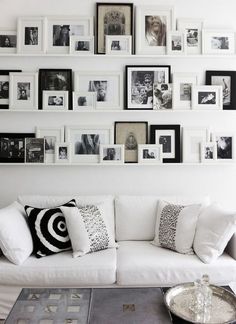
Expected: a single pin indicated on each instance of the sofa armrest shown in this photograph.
(231, 247)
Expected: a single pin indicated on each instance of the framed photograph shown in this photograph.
(112, 154)
(218, 41)
(12, 147)
(86, 140)
(119, 45)
(192, 29)
(8, 41)
(83, 100)
(152, 24)
(60, 29)
(82, 45)
(169, 137)
(176, 44)
(139, 84)
(182, 89)
(207, 97)
(107, 85)
(162, 96)
(192, 139)
(131, 134)
(34, 150)
(62, 152)
(113, 19)
(55, 80)
(225, 146)
(23, 91)
(150, 154)
(31, 35)
(4, 88)
(55, 100)
(208, 152)
(51, 135)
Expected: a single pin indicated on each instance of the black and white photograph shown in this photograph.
(100, 87)
(84, 100)
(88, 143)
(82, 45)
(162, 96)
(207, 97)
(112, 154)
(34, 150)
(7, 41)
(118, 45)
(182, 90)
(50, 144)
(23, 91)
(166, 142)
(62, 153)
(176, 43)
(4, 88)
(192, 29)
(155, 30)
(150, 154)
(192, 37)
(31, 36)
(208, 152)
(224, 146)
(55, 101)
(225, 82)
(62, 33)
(218, 41)
(185, 91)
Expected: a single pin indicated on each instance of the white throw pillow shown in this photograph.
(175, 226)
(15, 237)
(215, 227)
(88, 229)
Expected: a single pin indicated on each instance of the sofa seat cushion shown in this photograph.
(61, 270)
(141, 263)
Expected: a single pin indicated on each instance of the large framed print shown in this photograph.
(131, 134)
(207, 97)
(113, 19)
(12, 147)
(193, 137)
(193, 34)
(139, 84)
(152, 24)
(107, 85)
(61, 28)
(86, 140)
(169, 137)
(4, 88)
(8, 41)
(182, 89)
(218, 41)
(225, 146)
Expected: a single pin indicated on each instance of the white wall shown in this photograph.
(217, 181)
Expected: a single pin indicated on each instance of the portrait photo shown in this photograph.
(23, 90)
(31, 36)
(182, 89)
(162, 96)
(7, 40)
(192, 29)
(62, 152)
(34, 150)
(207, 97)
(150, 154)
(112, 154)
(82, 45)
(4, 88)
(225, 146)
(155, 30)
(185, 91)
(208, 152)
(118, 45)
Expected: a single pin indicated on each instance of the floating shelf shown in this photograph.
(124, 111)
(118, 165)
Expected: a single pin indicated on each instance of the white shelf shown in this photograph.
(124, 111)
(118, 165)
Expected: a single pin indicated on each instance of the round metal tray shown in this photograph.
(222, 311)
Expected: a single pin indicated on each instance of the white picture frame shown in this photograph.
(31, 35)
(208, 152)
(193, 34)
(84, 100)
(55, 100)
(82, 45)
(107, 84)
(23, 91)
(62, 153)
(146, 43)
(118, 44)
(218, 41)
(225, 146)
(150, 154)
(8, 41)
(176, 42)
(207, 97)
(112, 154)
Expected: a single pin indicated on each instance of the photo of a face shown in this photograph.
(162, 96)
(155, 30)
(62, 153)
(100, 87)
(224, 147)
(176, 43)
(55, 101)
(31, 35)
(4, 90)
(150, 154)
(82, 46)
(206, 98)
(62, 33)
(225, 82)
(7, 41)
(114, 22)
(192, 37)
(185, 91)
(111, 154)
(56, 80)
(131, 142)
(166, 143)
(23, 90)
(221, 43)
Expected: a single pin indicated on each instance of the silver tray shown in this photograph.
(222, 311)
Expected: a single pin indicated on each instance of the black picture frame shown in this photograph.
(228, 91)
(131, 154)
(47, 81)
(176, 129)
(2, 96)
(8, 152)
(144, 75)
(101, 30)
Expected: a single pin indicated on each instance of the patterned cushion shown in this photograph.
(48, 229)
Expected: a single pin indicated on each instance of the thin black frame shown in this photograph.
(176, 128)
(130, 122)
(127, 81)
(42, 81)
(7, 72)
(232, 75)
(131, 5)
(13, 136)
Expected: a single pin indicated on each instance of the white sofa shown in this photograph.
(135, 263)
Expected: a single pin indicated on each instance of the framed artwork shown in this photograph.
(55, 80)
(139, 84)
(225, 146)
(84, 100)
(192, 29)
(112, 154)
(192, 139)
(55, 100)
(118, 45)
(12, 147)
(182, 90)
(162, 96)
(131, 134)
(113, 19)
(169, 137)
(218, 41)
(4, 88)
(8, 41)
(51, 135)
(86, 140)
(176, 43)
(34, 150)
(226, 79)
(82, 45)
(207, 97)
(23, 91)
(150, 154)
(208, 152)
(61, 28)
(107, 85)
(62, 152)
(31, 35)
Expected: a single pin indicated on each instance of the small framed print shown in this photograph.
(34, 150)
(182, 90)
(62, 152)
(55, 100)
(83, 100)
(82, 45)
(169, 137)
(112, 154)
(118, 45)
(176, 43)
(162, 96)
(218, 41)
(23, 91)
(225, 146)
(192, 29)
(31, 35)
(4, 88)
(150, 154)
(192, 139)
(208, 152)
(207, 97)
(8, 41)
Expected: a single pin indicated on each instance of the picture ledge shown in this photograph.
(119, 165)
(89, 111)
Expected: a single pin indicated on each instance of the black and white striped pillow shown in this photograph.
(48, 229)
